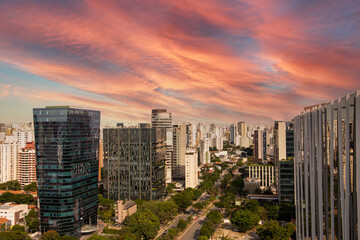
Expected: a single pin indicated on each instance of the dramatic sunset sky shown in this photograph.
(214, 60)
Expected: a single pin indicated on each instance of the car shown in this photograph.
(196, 219)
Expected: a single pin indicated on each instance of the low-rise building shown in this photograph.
(264, 173)
(13, 212)
(5, 224)
(124, 209)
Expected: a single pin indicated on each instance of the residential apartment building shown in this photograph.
(242, 128)
(191, 169)
(179, 151)
(27, 164)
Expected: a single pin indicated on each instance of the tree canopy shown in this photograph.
(273, 231)
(32, 187)
(245, 219)
(10, 185)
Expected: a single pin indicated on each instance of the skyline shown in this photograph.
(220, 61)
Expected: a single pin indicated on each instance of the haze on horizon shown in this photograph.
(217, 60)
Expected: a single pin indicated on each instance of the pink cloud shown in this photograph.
(217, 60)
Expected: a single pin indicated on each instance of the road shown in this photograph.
(194, 230)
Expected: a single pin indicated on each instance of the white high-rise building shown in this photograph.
(191, 169)
(179, 151)
(160, 118)
(204, 151)
(8, 160)
(23, 137)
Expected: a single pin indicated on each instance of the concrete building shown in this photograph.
(191, 169)
(67, 161)
(101, 157)
(27, 164)
(5, 224)
(9, 159)
(233, 133)
(204, 152)
(284, 154)
(160, 118)
(13, 212)
(242, 128)
(263, 173)
(258, 145)
(179, 151)
(190, 135)
(327, 170)
(124, 209)
(134, 163)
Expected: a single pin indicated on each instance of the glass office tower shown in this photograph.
(67, 144)
(134, 163)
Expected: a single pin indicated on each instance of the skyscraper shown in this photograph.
(242, 129)
(27, 164)
(134, 163)
(258, 145)
(233, 133)
(284, 163)
(327, 169)
(160, 118)
(67, 145)
(191, 169)
(179, 151)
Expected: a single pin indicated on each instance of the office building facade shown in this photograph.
(67, 145)
(327, 170)
(284, 166)
(134, 163)
(161, 118)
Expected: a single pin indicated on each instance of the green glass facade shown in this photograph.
(67, 143)
(134, 163)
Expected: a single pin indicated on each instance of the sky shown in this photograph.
(217, 60)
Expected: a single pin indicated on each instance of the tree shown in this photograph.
(17, 198)
(272, 211)
(286, 212)
(105, 202)
(143, 224)
(252, 205)
(199, 206)
(50, 235)
(14, 235)
(170, 187)
(18, 227)
(181, 224)
(32, 221)
(214, 216)
(66, 237)
(245, 220)
(32, 187)
(272, 230)
(10, 185)
(98, 237)
(183, 199)
(125, 235)
(203, 237)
